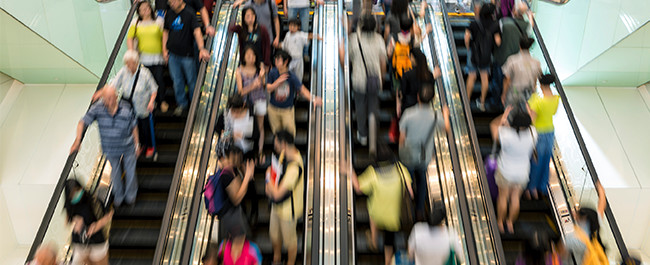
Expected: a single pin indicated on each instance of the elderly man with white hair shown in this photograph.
(137, 86)
(119, 138)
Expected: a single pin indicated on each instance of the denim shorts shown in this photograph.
(470, 67)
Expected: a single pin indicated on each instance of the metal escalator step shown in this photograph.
(143, 209)
(301, 138)
(154, 183)
(134, 238)
(132, 261)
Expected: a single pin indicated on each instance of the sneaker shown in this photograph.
(149, 152)
(178, 111)
(164, 107)
(363, 140)
(480, 105)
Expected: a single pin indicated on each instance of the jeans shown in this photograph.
(496, 86)
(129, 190)
(183, 72)
(419, 175)
(539, 170)
(366, 103)
(145, 131)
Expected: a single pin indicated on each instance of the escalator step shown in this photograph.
(134, 238)
(143, 209)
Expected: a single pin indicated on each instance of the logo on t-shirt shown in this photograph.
(282, 92)
(177, 24)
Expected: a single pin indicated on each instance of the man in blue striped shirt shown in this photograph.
(119, 137)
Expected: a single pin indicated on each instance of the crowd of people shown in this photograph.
(384, 53)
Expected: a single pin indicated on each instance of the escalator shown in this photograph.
(535, 215)
(443, 175)
(571, 170)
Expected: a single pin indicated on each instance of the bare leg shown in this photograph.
(484, 85)
(292, 252)
(373, 234)
(502, 206)
(388, 254)
(277, 251)
(471, 79)
(515, 196)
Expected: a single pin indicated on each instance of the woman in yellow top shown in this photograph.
(146, 33)
(383, 183)
(543, 108)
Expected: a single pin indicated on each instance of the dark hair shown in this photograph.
(399, 7)
(153, 13)
(426, 92)
(520, 119)
(236, 101)
(535, 247)
(242, 59)
(243, 14)
(283, 136)
(384, 153)
(421, 67)
(212, 253)
(437, 216)
(591, 216)
(226, 147)
(525, 43)
(546, 79)
(368, 23)
(488, 12)
(71, 186)
(406, 23)
(294, 21)
(284, 55)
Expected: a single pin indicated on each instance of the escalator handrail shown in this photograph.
(458, 175)
(581, 143)
(500, 255)
(186, 254)
(58, 190)
(185, 142)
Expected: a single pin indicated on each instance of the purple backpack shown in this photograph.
(214, 194)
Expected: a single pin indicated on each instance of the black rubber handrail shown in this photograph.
(466, 217)
(186, 254)
(485, 192)
(58, 190)
(180, 160)
(581, 143)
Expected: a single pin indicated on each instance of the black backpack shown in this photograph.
(481, 46)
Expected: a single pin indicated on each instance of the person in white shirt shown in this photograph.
(517, 138)
(426, 235)
(294, 43)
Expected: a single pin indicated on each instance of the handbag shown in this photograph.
(406, 216)
(490, 170)
(393, 132)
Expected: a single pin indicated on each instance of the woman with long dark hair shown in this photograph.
(251, 33)
(147, 34)
(88, 218)
(251, 81)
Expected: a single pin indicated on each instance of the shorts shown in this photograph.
(502, 182)
(389, 239)
(283, 230)
(259, 107)
(470, 67)
(92, 252)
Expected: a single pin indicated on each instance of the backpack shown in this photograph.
(289, 194)
(594, 255)
(402, 58)
(481, 46)
(214, 194)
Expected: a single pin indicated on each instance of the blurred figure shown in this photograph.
(212, 255)
(367, 55)
(118, 133)
(399, 10)
(284, 87)
(250, 33)
(294, 43)
(585, 242)
(399, 50)
(517, 144)
(46, 254)
(299, 9)
(233, 183)
(138, 87)
(416, 144)
(88, 218)
(267, 16)
(238, 123)
(536, 249)
(383, 183)
(480, 39)
(250, 84)
(433, 232)
(147, 32)
(286, 196)
(198, 6)
(543, 108)
(181, 31)
(513, 30)
(416, 78)
(521, 72)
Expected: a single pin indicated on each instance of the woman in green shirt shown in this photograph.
(145, 36)
(543, 108)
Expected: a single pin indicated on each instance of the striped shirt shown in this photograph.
(116, 132)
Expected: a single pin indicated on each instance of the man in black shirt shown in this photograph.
(178, 50)
(197, 5)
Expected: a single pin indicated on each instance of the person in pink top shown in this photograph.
(233, 252)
